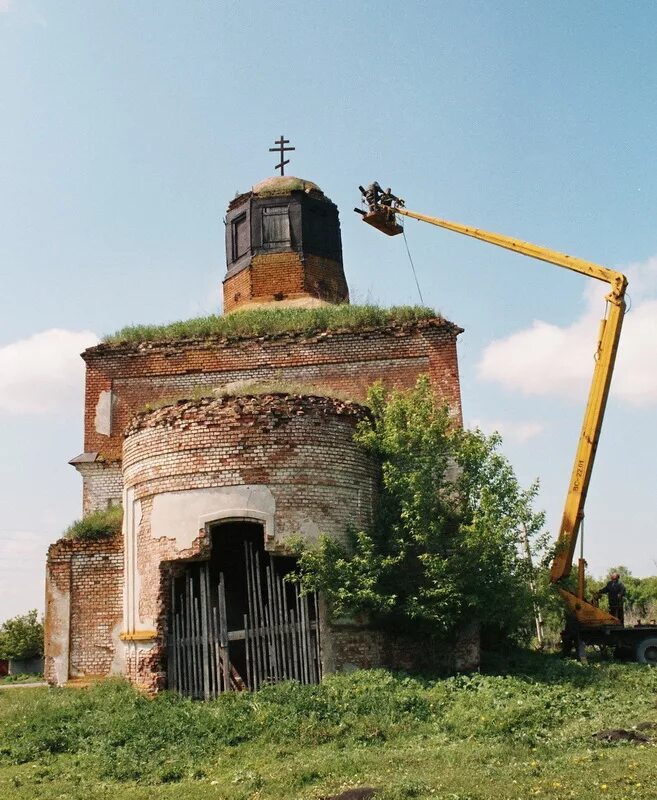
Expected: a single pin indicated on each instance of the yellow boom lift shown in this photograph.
(586, 622)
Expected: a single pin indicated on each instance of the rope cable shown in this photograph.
(419, 291)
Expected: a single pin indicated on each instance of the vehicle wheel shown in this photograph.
(646, 651)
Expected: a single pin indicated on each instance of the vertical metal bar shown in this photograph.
(176, 642)
(272, 621)
(311, 649)
(266, 666)
(223, 631)
(273, 675)
(171, 649)
(182, 655)
(217, 652)
(304, 639)
(251, 604)
(281, 626)
(247, 655)
(190, 631)
(288, 629)
(212, 645)
(199, 653)
(186, 625)
(205, 633)
(318, 644)
(302, 653)
(295, 654)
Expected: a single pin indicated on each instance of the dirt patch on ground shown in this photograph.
(620, 735)
(646, 726)
(361, 793)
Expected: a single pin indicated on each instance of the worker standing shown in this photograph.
(615, 591)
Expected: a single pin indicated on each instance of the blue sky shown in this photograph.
(127, 127)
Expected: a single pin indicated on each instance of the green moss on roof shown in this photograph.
(271, 321)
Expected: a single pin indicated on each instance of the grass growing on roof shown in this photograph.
(268, 321)
(97, 525)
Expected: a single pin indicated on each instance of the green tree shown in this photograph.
(445, 546)
(22, 636)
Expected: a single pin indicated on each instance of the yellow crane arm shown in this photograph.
(607, 346)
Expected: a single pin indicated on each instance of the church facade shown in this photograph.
(216, 478)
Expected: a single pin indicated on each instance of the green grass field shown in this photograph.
(527, 733)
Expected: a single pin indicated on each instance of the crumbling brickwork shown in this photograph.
(291, 456)
(84, 608)
(347, 362)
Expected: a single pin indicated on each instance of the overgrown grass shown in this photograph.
(97, 525)
(269, 321)
(469, 737)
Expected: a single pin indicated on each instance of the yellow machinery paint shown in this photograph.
(586, 613)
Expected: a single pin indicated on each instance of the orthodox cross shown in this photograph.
(282, 150)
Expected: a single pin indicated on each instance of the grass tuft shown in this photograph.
(271, 321)
(97, 525)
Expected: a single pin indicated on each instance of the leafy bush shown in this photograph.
(445, 547)
(97, 525)
(22, 637)
(269, 321)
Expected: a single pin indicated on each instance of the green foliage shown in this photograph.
(97, 525)
(524, 730)
(22, 636)
(445, 548)
(269, 321)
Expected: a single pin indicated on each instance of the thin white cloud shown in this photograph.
(510, 430)
(44, 373)
(4, 6)
(546, 359)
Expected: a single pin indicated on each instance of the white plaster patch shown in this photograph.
(180, 515)
(103, 419)
(303, 526)
(119, 660)
(59, 617)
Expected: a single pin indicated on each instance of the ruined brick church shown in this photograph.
(191, 595)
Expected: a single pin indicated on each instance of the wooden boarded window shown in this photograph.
(275, 226)
(241, 237)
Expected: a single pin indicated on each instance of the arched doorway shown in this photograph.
(235, 622)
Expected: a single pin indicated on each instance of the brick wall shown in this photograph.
(346, 362)
(84, 608)
(298, 450)
(285, 276)
(237, 290)
(347, 647)
(102, 485)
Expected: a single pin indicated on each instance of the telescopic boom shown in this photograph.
(382, 215)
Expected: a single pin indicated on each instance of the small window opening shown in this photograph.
(240, 237)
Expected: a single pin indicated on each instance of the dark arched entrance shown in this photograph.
(235, 623)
